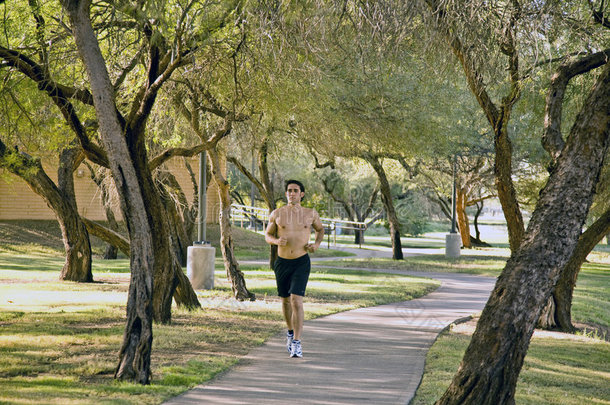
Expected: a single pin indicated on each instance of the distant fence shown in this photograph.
(252, 217)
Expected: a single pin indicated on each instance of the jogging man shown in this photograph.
(292, 223)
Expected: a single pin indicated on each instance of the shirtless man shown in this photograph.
(293, 224)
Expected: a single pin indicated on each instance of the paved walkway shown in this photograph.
(365, 356)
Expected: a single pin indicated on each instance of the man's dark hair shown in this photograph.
(298, 183)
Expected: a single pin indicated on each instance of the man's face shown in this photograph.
(294, 193)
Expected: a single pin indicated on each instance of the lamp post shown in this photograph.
(202, 210)
(200, 256)
(453, 241)
(252, 191)
(453, 198)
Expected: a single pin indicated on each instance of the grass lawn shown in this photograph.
(559, 368)
(59, 341)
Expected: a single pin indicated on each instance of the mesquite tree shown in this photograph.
(30, 59)
(123, 137)
(513, 33)
(202, 106)
(490, 368)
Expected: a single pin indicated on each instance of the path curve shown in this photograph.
(370, 355)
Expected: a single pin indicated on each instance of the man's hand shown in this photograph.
(311, 247)
(281, 241)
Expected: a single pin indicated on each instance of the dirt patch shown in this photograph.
(585, 332)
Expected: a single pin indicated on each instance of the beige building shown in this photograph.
(18, 201)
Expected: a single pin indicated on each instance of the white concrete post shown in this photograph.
(453, 244)
(200, 266)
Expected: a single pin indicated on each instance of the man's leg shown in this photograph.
(287, 311)
(296, 304)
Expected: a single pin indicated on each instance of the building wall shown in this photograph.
(18, 201)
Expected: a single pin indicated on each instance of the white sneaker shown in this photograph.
(289, 339)
(295, 349)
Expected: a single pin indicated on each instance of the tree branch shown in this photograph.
(598, 15)
(173, 152)
(473, 76)
(318, 165)
(552, 140)
(246, 173)
(107, 235)
(36, 73)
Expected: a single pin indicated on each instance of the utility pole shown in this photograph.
(200, 256)
(453, 240)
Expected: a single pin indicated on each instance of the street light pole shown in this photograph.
(200, 256)
(252, 191)
(453, 198)
(453, 240)
(201, 228)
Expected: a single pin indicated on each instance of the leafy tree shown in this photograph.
(25, 112)
(356, 190)
(491, 365)
(180, 29)
(268, 189)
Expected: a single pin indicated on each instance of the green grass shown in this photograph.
(590, 303)
(42, 236)
(562, 369)
(555, 371)
(486, 262)
(419, 242)
(59, 341)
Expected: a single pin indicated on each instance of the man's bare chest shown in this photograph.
(294, 219)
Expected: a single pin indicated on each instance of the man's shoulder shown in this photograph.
(312, 211)
(277, 211)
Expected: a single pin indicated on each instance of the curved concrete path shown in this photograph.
(366, 356)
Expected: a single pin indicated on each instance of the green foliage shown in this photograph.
(413, 216)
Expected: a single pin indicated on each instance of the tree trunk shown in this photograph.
(476, 241)
(386, 199)
(134, 356)
(558, 311)
(75, 236)
(505, 186)
(462, 218)
(477, 214)
(185, 295)
(110, 253)
(359, 233)
(108, 235)
(190, 213)
(62, 201)
(179, 238)
(166, 264)
(111, 250)
(498, 118)
(491, 365)
(234, 275)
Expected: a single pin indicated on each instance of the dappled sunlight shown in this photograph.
(24, 299)
(577, 375)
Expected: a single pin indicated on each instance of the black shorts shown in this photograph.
(291, 275)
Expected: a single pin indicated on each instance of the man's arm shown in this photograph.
(319, 229)
(270, 237)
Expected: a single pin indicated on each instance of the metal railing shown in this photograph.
(244, 214)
